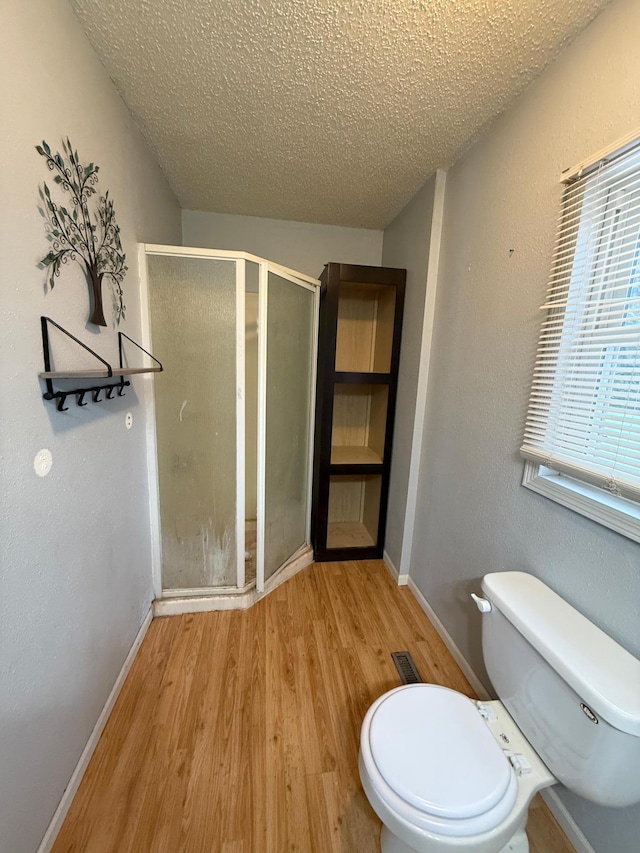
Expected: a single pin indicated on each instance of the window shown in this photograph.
(582, 436)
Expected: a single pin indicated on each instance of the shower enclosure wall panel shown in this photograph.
(251, 420)
(194, 314)
(200, 319)
(287, 383)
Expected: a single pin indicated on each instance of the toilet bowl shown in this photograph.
(443, 772)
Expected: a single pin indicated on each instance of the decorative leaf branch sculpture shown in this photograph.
(75, 236)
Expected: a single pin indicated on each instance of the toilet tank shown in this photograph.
(573, 691)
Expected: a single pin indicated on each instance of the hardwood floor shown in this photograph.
(237, 732)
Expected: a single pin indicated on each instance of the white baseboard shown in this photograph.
(401, 580)
(76, 777)
(550, 795)
(449, 642)
(176, 606)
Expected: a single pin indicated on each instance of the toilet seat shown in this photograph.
(430, 757)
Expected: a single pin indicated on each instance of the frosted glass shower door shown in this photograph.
(193, 311)
(288, 380)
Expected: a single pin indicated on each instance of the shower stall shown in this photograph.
(231, 418)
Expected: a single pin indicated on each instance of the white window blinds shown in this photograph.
(584, 409)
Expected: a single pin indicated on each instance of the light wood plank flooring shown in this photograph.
(237, 732)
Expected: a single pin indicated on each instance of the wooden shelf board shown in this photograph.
(348, 534)
(350, 455)
(101, 373)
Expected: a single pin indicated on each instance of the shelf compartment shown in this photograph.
(359, 424)
(364, 339)
(354, 509)
(354, 455)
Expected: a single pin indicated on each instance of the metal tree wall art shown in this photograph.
(75, 236)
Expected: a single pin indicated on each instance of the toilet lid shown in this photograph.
(433, 749)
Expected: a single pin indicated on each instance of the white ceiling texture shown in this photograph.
(332, 111)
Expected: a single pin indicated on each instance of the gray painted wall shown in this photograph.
(406, 245)
(473, 514)
(302, 246)
(75, 567)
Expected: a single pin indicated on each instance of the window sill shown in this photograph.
(618, 514)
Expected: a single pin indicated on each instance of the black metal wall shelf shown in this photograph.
(104, 372)
(97, 374)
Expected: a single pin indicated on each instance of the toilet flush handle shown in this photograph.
(482, 604)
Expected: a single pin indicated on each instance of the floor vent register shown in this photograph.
(407, 670)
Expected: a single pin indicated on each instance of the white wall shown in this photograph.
(301, 246)
(75, 552)
(406, 245)
(473, 514)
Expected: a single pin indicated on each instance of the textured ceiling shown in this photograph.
(331, 111)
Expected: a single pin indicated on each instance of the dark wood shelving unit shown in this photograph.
(358, 358)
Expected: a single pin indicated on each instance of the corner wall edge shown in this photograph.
(401, 580)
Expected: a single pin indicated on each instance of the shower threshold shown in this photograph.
(179, 601)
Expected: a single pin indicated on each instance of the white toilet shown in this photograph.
(443, 772)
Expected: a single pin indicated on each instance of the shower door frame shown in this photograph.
(264, 267)
(312, 284)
